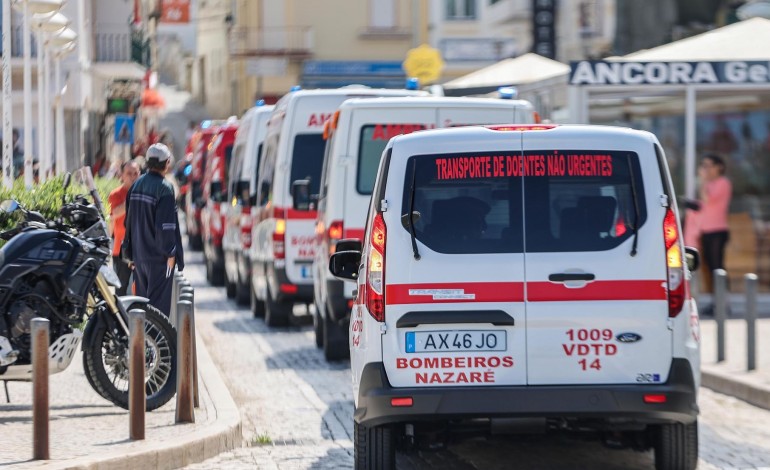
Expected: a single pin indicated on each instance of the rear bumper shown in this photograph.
(304, 292)
(623, 402)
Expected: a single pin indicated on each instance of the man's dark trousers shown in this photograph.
(124, 274)
(151, 282)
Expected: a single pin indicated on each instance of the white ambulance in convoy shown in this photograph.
(524, 275)
(242, 195)
(356, 137)
(283, 236)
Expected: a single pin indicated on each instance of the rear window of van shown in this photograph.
(541, 201)
(374, 138)
(307, 159)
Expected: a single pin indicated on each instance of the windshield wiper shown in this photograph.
(410, 216)
(636, 206)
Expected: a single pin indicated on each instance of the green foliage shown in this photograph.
(46, 197)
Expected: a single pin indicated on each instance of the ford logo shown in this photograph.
(628, 337)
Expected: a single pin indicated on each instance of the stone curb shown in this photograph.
(756, 394)
(223, 435)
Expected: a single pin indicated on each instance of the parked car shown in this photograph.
(356, 137)
(283, 236)
(194, 195)
(242, 194)
(533, 275)
(215, 203)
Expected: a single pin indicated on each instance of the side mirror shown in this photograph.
(9, 205)
(344, 265)
(348, 244)
(692, 258)
(300, 193)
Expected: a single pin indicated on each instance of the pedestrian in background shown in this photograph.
(129, 172)
(153, 234)
(707, 220)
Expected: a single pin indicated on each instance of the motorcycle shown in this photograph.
(57, 269)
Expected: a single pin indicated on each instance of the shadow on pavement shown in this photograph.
(304, 358)
(334, 459)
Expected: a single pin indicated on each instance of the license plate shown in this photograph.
(449, 341)
(306, 271)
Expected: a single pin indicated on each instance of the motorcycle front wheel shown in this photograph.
(105, 360)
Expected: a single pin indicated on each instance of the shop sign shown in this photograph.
(668, 73)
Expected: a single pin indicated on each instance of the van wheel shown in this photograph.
(217, 274)
(676, 446)
(229, 287)
(335, 340)
(374, 447)
(318, 328)
(257, 306)
(242, 293)
(277, 313)
(196, 242)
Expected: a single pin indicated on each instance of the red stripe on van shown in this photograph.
(353, 233)
(480, 292)
(597, 290)
(514, 292)
(294, 214)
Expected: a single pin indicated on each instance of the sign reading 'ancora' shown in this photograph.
(668, 73)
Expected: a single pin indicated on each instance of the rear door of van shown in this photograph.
(596, 299)
(456, 316)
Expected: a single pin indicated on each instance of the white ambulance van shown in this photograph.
(524, 275)
(283, 236)
(242, 194)
(357, 135)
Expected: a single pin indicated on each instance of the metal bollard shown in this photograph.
(191, 297)
(137, 396)
(178, 277)
(751, 320)
(40, 417)
(720, 310)
(184, 401)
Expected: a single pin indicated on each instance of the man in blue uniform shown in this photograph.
(153, 230)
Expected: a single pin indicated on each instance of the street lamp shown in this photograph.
(45, 24)
(60, 46)
(29, 7)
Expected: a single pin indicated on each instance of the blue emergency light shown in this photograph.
(205, 124)
(412, 83)
(295, 88)
(507, 92)
(259, 103)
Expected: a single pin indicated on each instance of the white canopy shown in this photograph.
(527, 68)
(744, 40)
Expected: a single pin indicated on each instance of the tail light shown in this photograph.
(375, 270)
(674, 264)
(333, 234)
(246, 228)
(279, 235)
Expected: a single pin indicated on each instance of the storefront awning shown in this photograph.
(522, 70)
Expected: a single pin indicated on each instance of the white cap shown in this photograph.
(158, 152)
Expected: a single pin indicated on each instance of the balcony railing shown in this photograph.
(112, 46)
(17, 45)
(290, 41)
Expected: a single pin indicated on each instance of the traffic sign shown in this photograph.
(425, 63)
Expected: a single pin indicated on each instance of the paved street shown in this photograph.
(297, 409)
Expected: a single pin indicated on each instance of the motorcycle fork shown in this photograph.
(112, 305)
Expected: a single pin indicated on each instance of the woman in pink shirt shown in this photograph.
(715, 193)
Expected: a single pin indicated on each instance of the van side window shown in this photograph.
(325, 171)
(252, 197)
(472, 202)
(267, 167)
(236, 167)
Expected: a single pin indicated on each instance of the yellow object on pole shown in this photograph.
(424, 63)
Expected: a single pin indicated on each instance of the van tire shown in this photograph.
(195, 242)
(242, 293)
(257, 306)
(230, 287)
(374, 447)
(335, 340)
(318, 328)
(277, 313)
(676, 446)
(215, 274)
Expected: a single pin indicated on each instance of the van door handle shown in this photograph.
(566, 277)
